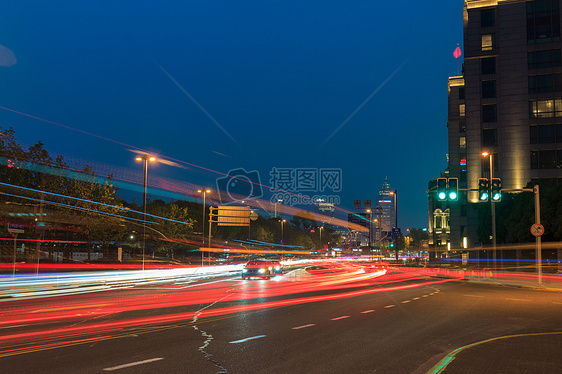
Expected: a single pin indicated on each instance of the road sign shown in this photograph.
(537, 229)
(16, 228)
(396, 232)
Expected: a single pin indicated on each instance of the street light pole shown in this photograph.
(205, 192)
(282, 242)
(145, 158)
(395, 193)
(278, 201)
(370, 227)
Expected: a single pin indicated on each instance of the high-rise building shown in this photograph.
(385, 211)
(507, 102)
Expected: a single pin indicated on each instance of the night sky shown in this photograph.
(247, 84)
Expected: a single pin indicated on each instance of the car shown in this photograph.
(261, 269)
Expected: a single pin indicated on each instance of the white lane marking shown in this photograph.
(507, 298)
(133, 364)
(338, 318)
(416, 298)
(424, 296)
(389, 306)
(14, 326)
(554, 302)
(246, 339)
(473, 295)
(406, 301)
(368, 311)
(303, 326)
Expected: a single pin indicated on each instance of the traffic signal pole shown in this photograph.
(493, 212)
(538, 254)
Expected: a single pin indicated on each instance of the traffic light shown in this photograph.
(483, 189)
(441, 189)
(496, 194)
(453, 189)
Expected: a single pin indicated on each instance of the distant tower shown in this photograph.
(385, 213)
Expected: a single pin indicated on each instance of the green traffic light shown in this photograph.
(483, 189)
(441, 189)
(496, 190)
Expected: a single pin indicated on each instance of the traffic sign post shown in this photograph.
(537, 229)
(15, 228)
(538, 237)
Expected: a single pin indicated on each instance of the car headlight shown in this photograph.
(244, 270)
(277, 267)
(262, 270)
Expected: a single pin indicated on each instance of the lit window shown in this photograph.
(487, 42)
(462, 142)
(545, 108)
(462, 109)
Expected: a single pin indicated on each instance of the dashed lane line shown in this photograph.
(303, 326)
(246, 339)
(390, 306)
(338, 318)
(406, 301)
(368, 311)
(133, 364)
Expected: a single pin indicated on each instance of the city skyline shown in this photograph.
(221, 88)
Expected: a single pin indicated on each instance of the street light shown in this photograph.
(277, 202)
(493, 206)
(145, 159)
(370, 227)
(282, 221)
(321, 227)
(204, 192)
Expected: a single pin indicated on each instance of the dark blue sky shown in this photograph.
(278, 76)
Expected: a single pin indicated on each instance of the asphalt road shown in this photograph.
(388, 324)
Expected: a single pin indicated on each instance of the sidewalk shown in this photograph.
(515, 279)
(522, 353)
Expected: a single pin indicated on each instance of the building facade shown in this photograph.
(508, 102)
(385, 210)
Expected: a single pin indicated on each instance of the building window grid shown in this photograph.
(544, 59)
(487, 18)
(489, 113)
(488, 89)
(545, 108)
(545, 83)
(488, 42)
(543, 21)
(488, 65)
(546, 159)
